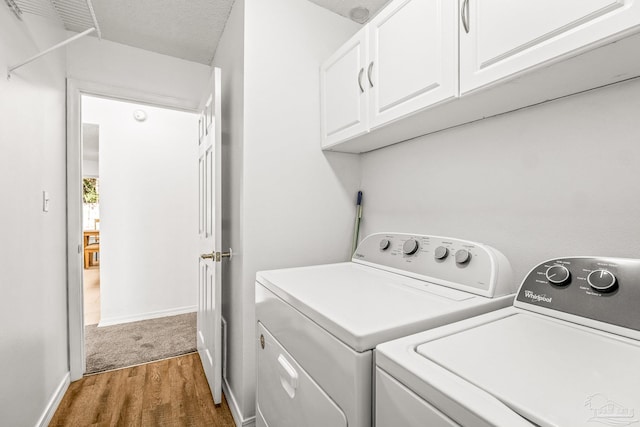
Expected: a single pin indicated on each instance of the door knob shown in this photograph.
(217, 256)
(227, 254)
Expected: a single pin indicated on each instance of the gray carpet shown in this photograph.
(119, 346)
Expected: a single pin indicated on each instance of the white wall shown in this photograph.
(115, 64)
(291, 196)
(33, 308)
(148, 207)
(90, 168)
(557, 179)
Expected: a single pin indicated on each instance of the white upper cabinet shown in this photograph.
(502, 38)
(344, 97)
(413, 58)
(403, 61)
(421, 66)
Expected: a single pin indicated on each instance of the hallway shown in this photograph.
(91, 285)
(171, 392)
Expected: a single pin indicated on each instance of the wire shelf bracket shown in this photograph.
(51, 49)
(71, 12)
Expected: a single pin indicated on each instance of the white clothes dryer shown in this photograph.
(565, 354)
(318, 325)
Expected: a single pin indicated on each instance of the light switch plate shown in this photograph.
(45, 201)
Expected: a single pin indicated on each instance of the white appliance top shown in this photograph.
(566, 354)
(550, 372)
(364, 303)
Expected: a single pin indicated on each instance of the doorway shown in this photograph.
(138, 220)
(91, 222)
(145, 244)
(91, 243)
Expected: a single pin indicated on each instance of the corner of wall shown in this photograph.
(288, 182)
(54, 401)
(229, 57)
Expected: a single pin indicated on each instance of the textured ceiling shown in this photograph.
(187, 29)
(343, 7)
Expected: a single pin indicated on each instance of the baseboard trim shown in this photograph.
(110, 321)
(55, 400)
(235, 409)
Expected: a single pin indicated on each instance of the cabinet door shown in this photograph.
(502, 38)
(343, 92)
(414, 58)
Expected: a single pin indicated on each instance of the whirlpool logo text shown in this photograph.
(535, 297)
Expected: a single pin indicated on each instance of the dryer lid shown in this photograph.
(551, 372)
(365, 306)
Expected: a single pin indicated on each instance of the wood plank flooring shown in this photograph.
(172, 392)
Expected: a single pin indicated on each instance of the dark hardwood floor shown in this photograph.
(172, 392)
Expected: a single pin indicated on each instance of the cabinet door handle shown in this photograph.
(360, 80)
(464, 14)
(369, 73)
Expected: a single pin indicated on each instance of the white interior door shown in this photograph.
(209, 331)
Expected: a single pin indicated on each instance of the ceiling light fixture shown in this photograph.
(140, 115)
(359, 14)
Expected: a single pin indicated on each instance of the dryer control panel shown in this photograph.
(601, 289)
(456, 263)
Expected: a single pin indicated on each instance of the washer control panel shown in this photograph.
(456, 263)
(602, 289)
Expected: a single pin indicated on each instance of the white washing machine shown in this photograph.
(567, 353)
(318, 326)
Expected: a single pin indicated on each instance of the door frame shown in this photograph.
(75, 303)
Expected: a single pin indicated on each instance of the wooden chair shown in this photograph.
(93, 247)
(89, 250)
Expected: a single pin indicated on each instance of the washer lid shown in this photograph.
(364, 306)
(551, 372)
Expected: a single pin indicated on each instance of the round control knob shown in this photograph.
(462, 256)
(410, 247)
(601, 280)
(384, 244)
(441, 252)
(558, 274)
